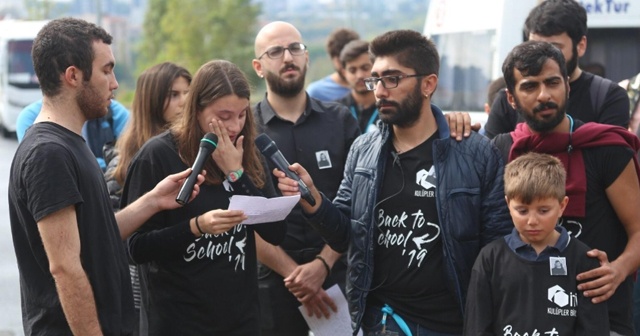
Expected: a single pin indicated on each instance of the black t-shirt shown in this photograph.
(319, 140)
(600, 228)
(509, 295)
(52, 169)
(614, 111)
(409, 275)
(194, 286)
(366, 115)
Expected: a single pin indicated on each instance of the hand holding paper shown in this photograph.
(263, 210)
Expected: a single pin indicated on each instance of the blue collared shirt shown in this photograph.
(527, 252)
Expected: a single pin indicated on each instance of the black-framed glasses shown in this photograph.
(388, 82)
(295, 48)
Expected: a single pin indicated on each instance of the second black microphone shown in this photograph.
(207, 145)
(269, 149)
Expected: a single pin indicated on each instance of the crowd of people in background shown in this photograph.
(527, 226)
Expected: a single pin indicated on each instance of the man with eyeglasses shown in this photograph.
(320, 135)
(415, 206)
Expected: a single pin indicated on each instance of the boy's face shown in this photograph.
(536, 222)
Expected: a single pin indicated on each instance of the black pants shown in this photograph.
(279, 312)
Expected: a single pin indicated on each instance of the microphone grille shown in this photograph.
(263, 141)
(209, 141)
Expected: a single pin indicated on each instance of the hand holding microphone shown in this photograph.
(269, 149)
(207, 145)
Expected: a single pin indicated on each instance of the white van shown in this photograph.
(474, 37)
(19, 85)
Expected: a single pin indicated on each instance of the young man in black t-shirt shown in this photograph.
(602, 173)
(563, 23)
(74, 275)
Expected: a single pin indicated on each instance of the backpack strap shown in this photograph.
(598, 89)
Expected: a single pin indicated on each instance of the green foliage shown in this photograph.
(153, 39)
(192, 32)
(44, 9)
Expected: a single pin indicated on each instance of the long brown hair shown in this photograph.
(147, 115)
(214, 80)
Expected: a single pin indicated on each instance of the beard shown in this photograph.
(572, 63)
(90, 102)
(284, 88)
(407, 111)
(544, 125)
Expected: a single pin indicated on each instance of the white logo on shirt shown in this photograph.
(566, 302)
(426, 179)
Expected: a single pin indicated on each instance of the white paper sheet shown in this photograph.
(263, 210)
(339, 324)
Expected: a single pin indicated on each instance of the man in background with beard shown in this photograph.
(602, 175)
(563, 23)
(415, 206)
(74, 275)
(320, 135)
(361, 102)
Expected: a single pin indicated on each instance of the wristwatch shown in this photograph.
(235, 175)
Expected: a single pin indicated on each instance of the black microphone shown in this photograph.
(207, 145)
(270, 150)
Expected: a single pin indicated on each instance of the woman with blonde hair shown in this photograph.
(199, 262)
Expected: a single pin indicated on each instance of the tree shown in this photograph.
(153, 39)
(38, 9)
(192, 32)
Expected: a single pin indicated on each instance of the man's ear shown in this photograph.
(257, 67)
(510, 98)
(581, 47)
(72, 76)
(429, 85)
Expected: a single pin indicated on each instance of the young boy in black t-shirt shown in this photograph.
(526, 283)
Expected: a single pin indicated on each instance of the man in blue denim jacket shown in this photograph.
(415, 206)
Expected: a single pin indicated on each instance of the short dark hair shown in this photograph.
(412, 50)
(63, 43)
(553, 17)
(338, 39)
(494, 87)
(529, 58)
(353, 50)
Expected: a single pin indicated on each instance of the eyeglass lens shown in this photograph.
(388, 82)
(295, 49)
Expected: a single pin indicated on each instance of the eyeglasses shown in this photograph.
(388, 82)
(295, 48)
